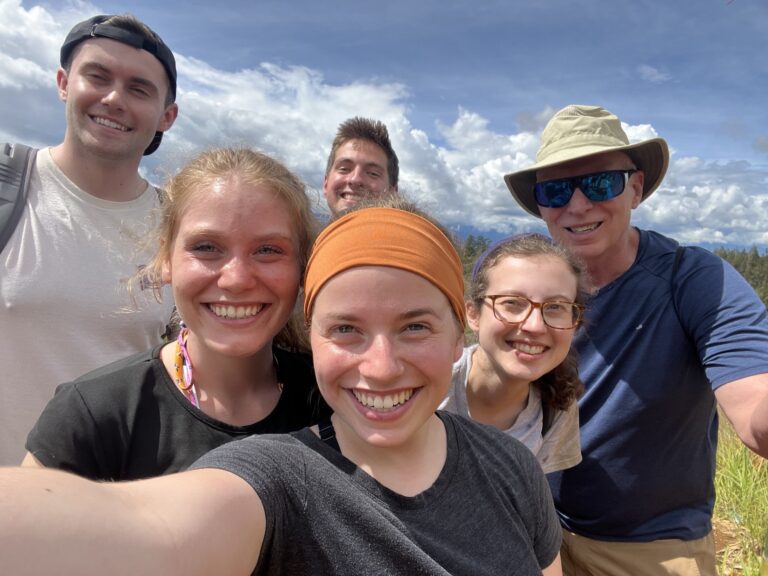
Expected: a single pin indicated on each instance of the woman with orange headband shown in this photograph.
(386, 485)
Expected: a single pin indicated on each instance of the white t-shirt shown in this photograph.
(558, 449)
(64, 304)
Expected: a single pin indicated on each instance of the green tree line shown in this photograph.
(470, 250)
(750, 264)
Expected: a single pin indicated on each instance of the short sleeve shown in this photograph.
(66, 434)
(723, 316)
(561, 448)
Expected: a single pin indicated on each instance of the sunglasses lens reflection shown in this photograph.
(597, 187)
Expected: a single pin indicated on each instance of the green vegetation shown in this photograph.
(751, 265)
(470, 250)
(741, 508)
(741, 481)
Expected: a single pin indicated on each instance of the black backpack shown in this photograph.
(15, 168)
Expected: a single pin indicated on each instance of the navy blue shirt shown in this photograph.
(648, 416)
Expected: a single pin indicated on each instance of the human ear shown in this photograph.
(165, 270)
(327, 192)
(168, 117)
(459, 349)
(62, 82)
(473, 316)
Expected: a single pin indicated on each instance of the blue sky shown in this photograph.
(465, 88)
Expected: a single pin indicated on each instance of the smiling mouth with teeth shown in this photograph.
(528, 348)
(382, 402)
(109, 124)
(235, 312)
(582, 229)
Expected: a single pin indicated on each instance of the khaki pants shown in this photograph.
(586, 557)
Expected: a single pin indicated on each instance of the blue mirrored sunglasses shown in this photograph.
(597, 187)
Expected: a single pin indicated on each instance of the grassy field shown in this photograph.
(741, 508)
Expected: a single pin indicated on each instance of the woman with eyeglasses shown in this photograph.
(525, 300)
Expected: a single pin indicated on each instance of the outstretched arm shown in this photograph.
(199, 522)
(745, 403)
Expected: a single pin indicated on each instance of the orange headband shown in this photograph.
(385, 237)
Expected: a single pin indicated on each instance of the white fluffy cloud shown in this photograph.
(292, 113)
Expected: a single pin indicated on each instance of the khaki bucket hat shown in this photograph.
(579, 131)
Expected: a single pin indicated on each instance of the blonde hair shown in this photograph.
(252, 168)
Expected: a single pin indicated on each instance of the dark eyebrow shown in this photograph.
(345, 159)
(556, 297)
(91, 65)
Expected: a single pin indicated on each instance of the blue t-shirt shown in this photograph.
(648, 416)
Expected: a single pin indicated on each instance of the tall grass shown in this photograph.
(741, 508)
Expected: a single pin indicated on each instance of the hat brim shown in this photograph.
(650, 156)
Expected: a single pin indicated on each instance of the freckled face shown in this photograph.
(384, 341)
(359, 170)
(521, 353)
(234, 267)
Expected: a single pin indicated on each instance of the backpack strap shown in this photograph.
(15, 168)
(328, 433)
(548, 417)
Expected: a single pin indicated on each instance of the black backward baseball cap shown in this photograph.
(95, 28)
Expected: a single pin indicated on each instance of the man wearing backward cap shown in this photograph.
(65, 308)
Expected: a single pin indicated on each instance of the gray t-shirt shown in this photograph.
(489, 511)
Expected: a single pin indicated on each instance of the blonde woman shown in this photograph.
(234, 240)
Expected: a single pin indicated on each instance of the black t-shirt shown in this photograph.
(489, 512)
(128, 420)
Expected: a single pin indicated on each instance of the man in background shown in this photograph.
(361, 164)
(671, 333)
(65, 306)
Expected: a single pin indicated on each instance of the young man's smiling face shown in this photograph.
(115, 99)
(359, 170)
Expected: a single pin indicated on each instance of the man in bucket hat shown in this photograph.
(670, 335)
(64, 304)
